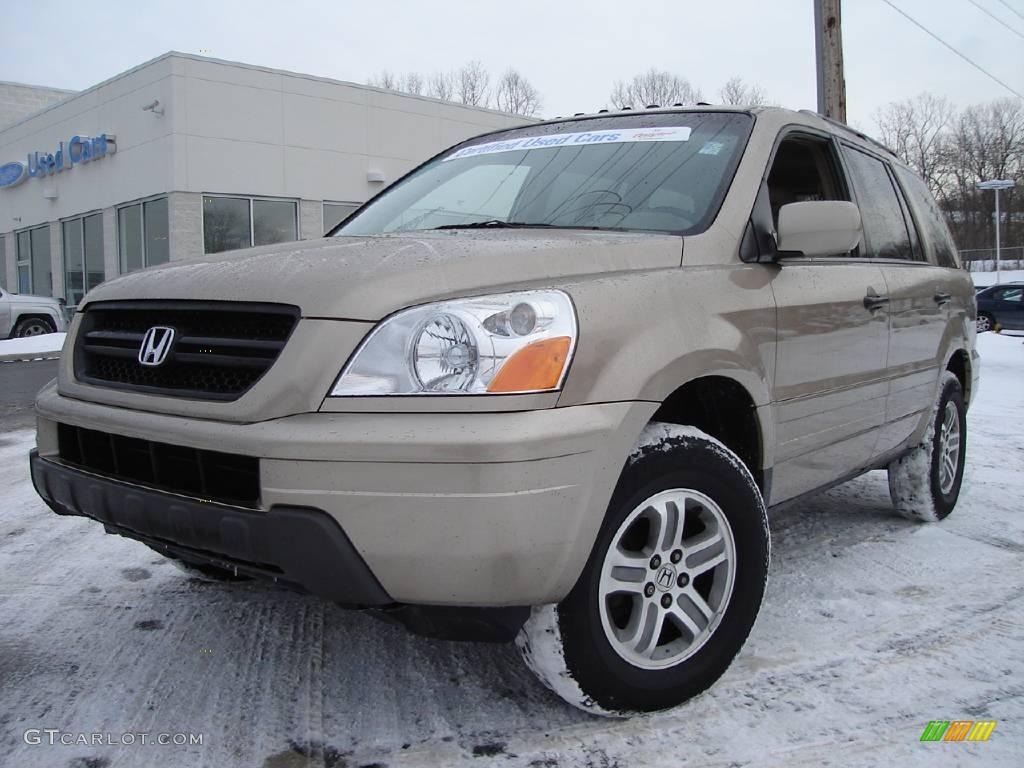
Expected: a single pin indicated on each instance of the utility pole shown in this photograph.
(828, 48)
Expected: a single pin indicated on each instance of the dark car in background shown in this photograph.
(1001, 306)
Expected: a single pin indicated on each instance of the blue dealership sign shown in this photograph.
(76, 151)
(12, 174)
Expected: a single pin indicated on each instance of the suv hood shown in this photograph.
(367, 278)
(22, 299)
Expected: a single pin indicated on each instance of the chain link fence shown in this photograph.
(984, 259)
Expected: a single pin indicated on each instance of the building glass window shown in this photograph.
(273, 221)
(83, 256)
(155, 230)
(142, 235)
(33, 260)
(335, 213)
(239, 222)
(3, 261)
(23, 251)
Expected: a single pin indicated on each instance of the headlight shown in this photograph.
(507, 343)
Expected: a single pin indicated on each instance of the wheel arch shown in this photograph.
(959, 364)
(33, 314)
(721, 406)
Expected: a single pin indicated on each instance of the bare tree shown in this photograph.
(471, 85)
(412, 83)
(737, 92)
(917, 130)
(385, 79)
(468, 85)
(986, 142)
(516, 94)
(442, 86)
(654, 87)
(954, 149)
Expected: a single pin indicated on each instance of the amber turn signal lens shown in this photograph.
(536, 366)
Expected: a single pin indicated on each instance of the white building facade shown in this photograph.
(186, 155)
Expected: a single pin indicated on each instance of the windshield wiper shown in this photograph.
(496, 223)
(499, 224)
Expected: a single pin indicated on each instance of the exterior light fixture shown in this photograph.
(996, 185)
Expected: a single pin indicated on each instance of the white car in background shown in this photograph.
(22, 316)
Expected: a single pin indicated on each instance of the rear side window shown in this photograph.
(938, 241)
(1008, 294)
(884, 225)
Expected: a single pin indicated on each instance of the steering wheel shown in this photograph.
(617, 202)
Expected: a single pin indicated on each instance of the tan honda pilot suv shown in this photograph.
(545, 387)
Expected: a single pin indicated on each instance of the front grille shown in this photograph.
(219, 351)
(209, 475)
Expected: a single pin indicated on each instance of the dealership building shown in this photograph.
(186, 155)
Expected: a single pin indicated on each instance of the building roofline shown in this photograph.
(242, 65)
(335, 81)
(36, 87)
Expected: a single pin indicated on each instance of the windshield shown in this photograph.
(663, 172)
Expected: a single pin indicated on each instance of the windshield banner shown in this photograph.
(586, 138)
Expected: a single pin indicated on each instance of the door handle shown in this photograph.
(873, 301)
(942, 298)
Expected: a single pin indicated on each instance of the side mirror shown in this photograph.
(819, 228)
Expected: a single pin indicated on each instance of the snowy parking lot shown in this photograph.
(872, 626)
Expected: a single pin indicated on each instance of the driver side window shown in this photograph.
(804, 170)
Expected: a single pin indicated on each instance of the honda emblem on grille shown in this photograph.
(156, 345)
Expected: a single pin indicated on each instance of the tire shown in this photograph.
(985, 323)
(924, 484)
(32, 326)
(579, 649)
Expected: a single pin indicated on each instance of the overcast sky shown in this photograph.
(571, 50)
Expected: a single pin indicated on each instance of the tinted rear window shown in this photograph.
(879, 206)
(937, 239)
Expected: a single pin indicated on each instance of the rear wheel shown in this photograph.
(31, 326)
(985, 323)
(925, 483)
(671, 589)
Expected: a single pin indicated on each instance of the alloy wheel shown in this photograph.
(667, 578)
(949, 447)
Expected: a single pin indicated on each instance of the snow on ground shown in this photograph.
(989, 278)
(871, 627)
(46, 344)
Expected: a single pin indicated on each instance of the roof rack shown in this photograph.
(854, 131)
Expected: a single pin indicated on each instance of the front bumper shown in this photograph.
(301, 548)
(468, 509)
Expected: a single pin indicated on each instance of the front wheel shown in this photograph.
(31, 326)
(672, 586)
(984, 323)
(924, 484)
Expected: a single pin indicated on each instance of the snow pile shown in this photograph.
(910, 478)
(540, 642)
(989, 278)
(46, 345)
